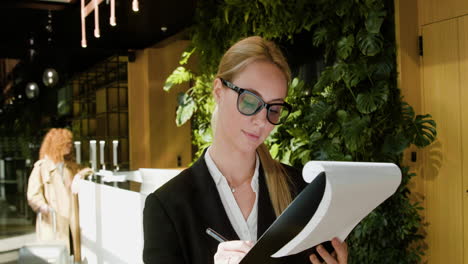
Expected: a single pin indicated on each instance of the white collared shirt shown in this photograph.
(246, 230)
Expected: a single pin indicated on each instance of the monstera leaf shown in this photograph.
(374, 21)
(425, 130)
(370, 44)
(370, 101)
(420, 129)
(354, 131)
(345, 46)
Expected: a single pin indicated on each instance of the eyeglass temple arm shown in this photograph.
(230, 85)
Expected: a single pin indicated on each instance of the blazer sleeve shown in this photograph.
(35, 191)
(161, 245)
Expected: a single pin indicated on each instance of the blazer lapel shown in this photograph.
(266, 214)
(209, 203)
(211, 208)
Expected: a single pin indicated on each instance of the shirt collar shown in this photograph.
(218, 176)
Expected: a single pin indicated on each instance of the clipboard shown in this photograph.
(315, 217)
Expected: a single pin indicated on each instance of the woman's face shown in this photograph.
(246, 133)
(67, 148)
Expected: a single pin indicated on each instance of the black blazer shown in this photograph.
(176, 216)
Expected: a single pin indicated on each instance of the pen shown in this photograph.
(215, 235)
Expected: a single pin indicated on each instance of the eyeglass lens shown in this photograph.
(249, 104)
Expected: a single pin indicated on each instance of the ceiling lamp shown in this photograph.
(93, 5)
(135, 6)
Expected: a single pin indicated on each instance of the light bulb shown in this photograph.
(32, 90)
(50, 77)
(135, 6)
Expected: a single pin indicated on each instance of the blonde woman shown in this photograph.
(235, 188)
(49, 189)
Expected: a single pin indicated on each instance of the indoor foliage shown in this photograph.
(353, 112)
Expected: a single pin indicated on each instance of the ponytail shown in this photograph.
(277, 180)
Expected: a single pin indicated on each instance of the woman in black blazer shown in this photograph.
(235, 188)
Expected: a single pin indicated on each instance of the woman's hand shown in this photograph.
(85, 172)
(340, 256)
(44, 209)
(75, 186)
(232, 252)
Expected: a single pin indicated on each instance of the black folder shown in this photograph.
(289, 224)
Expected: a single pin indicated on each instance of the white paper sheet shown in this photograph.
(352, 191)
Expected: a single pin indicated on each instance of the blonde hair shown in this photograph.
(54, 144)
(235, 60)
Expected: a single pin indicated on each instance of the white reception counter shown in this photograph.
(111, 218)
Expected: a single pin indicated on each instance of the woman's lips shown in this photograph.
(251, 135)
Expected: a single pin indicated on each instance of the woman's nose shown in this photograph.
(260, 118)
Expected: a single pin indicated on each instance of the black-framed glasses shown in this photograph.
(250, 104)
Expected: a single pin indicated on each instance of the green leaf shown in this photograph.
(274, 150)
(318, 111)
(294, 83)
(297, 132)
(320, 35)
(328, 151)
(353, 76)
(286, 157)
(374, 21)
(178, 76)
(206, 135)
(395, 144)
(370, 101)
(425, 129)
(334, 129)
(304, 156)
(315, 137)
(339, 70)
(342, 115)
(343, 8)
(369, 3)
(382, 70)
(186, 108)
(407, 111)
(354, 132)
(226, 15)
(186, 56)
(323, 80)
(345, 46)
(370, 44)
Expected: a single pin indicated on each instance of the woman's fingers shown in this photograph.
(235, 245)
(339, 256)
(232, 252)
(326, 255)
(314, 260)
(341, 249)
(231, 257)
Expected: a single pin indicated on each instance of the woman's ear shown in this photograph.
(217, 90)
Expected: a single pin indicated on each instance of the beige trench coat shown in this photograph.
(46, 186)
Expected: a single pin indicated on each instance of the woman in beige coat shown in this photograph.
(49, 188)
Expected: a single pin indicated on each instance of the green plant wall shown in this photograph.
(352, 112)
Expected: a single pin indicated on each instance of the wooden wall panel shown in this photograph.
(463, 36)
(442, 168)
(174, 141)
(138, 111)
(155, 140)
(408, 66)
(431, 11)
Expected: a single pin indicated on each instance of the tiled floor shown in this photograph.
(15, 231)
